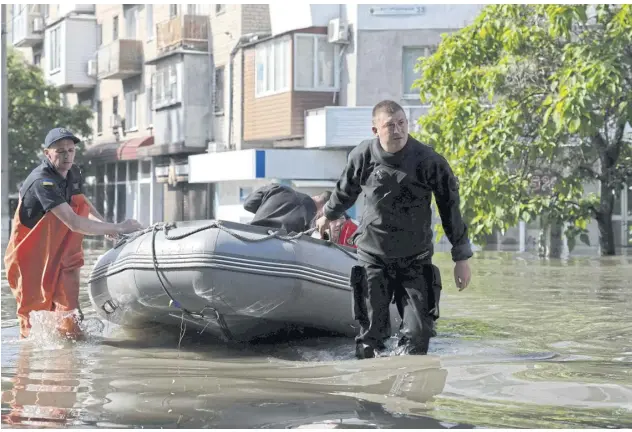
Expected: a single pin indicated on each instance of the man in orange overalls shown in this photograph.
(45, 250)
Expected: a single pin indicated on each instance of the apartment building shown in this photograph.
(155, 78)
(309, 88)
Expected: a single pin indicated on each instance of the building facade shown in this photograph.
(198, 105)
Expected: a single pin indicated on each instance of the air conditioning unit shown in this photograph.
(338, 31)
(115, 121)
(92, 68)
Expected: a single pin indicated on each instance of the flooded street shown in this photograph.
(531, 343)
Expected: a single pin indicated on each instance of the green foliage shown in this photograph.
(529, 88)
(34, 109)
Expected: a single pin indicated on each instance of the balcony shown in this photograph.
(28, 26)
(120, 59)
(184, 31)
(68, 59)
(339, 127)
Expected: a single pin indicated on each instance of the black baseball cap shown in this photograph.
(57, 134)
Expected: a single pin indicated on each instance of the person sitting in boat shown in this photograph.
(44, 253)
(281, 207)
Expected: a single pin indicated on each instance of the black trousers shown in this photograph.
(413, 283)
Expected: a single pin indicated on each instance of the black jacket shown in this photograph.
(397, 216)
(279, 206)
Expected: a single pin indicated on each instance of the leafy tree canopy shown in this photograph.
(34, 108)
(530, 103)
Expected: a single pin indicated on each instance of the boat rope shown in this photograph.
(199, 315)
(166, 227)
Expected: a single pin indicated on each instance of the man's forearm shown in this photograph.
(92, 227)
(94, 213)
(345, 195)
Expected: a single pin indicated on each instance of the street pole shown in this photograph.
(4, 138)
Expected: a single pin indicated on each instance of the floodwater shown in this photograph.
(531, 343)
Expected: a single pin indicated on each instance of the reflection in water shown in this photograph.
(44, 388)
(145, 387)
(531, 344)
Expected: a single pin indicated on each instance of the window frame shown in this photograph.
(429, 50)
(131, 98)
(273, 45)
(219, 96)
(317, 39)
(54, 50)
(166, 81)
(149, 22)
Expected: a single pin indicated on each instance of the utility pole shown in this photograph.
(4, 138)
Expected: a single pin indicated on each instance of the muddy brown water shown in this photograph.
(531, 343)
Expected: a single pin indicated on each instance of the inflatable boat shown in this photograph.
(239, 282)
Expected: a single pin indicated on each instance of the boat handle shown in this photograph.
(111, 305)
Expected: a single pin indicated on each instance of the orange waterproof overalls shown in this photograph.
(42, 266)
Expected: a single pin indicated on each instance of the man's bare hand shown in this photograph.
(462, 274)
(322, 224)
(129, 226)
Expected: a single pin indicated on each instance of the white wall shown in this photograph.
(289, 16)
(415, 16)
(66, 8)
(305, 164)
(226, 166)
(279, 164)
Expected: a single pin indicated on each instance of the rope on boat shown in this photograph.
(166, 227)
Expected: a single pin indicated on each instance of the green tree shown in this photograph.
(528, 88)
(35, 108)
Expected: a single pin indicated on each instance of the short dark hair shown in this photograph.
(387, 106)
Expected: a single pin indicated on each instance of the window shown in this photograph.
(272, 66)
(220, 9)
(115, 105)
(219, 90)
(100, 35)
(173, 10)
(115, 28)
(316, 63)
(99, 117)
(131, 111)
(166, 89)
(55, 50)
(409, 60)
(131, 21)
(37, 59)
(149, 101)
(149, 21)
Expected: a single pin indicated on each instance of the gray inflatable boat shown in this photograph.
(239, 282)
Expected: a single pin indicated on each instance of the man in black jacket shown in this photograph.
(398, 176)
(280, 206)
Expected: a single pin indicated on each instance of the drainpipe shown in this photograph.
(342, 52)
(250, 37)
(211, 59)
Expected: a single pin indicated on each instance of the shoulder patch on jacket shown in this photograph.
(47, 183)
